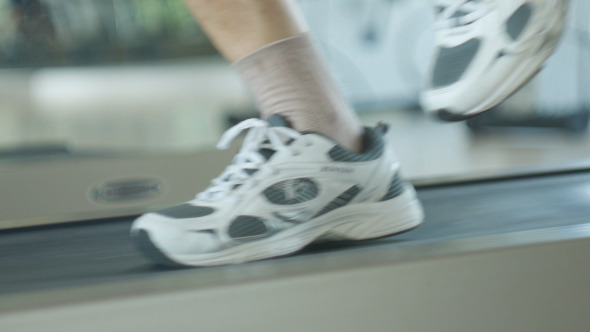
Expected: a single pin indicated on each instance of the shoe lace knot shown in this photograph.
(260, 138)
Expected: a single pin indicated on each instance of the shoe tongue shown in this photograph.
(277, 120)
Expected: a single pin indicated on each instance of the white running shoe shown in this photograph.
(284, 190)
(486, 50)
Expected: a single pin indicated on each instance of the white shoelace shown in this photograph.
(260, 136)
(473, 10)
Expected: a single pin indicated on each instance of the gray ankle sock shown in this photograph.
(289, 77)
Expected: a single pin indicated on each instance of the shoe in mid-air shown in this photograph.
(486, 50)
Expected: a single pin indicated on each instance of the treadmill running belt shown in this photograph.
(101, 251)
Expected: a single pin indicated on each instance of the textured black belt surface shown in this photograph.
(100, 251)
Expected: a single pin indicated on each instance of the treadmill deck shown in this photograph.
(88, 260)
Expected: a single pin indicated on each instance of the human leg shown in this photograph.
(280, 64)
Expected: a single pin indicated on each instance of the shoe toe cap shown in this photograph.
(174, 238)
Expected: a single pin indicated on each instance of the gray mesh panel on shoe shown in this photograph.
(452, 63)
(519, 20)
(396, 188)
(247, 226)
(186, 211)
(340, 201)
(459, 13)
(373, 148)
(278, 120)
(293, 191)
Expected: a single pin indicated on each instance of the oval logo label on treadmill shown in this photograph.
(126, 190)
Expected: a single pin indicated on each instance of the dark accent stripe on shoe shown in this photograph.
(396, 188)
(373, 147)
(340, 201)
(448, 116)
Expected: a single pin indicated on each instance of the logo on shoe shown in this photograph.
(292, 191)
(335, 169)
